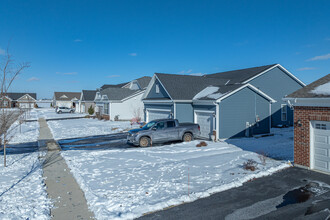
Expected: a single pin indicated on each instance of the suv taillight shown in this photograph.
(199, 128)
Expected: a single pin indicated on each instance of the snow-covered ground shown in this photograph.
(49, 113)
(127, 183)
(279, 146)
(63, 129)
(26, 132)
(22, 190)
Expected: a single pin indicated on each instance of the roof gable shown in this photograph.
(67, 96)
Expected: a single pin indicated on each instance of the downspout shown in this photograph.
(217, 120)
(174, 105)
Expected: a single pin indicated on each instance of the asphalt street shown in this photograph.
(293, 193)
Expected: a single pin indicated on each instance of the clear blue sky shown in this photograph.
(75, 45)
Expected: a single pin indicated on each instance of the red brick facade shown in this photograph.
(302, 133)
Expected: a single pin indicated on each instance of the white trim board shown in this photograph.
(152, 81)
(251, 87)
(281, 67)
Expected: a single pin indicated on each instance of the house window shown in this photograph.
(5, 103)
(284, 113)
(321, 126)
(106, 108)
(157, 88)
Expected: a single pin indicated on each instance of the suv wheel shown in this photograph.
(71, 111)
(144, 142)
(60, 112)
(187, 137)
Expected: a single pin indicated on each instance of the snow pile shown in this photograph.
(125, 184)
(63, 129)
(279, 146)
(209, 92)
(22, 190)
(322, 89)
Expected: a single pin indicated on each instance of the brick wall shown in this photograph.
(302, 133)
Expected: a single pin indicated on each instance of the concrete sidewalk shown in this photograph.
(68, 199)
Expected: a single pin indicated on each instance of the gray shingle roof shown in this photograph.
(185, 87)
(69, 95)
(105, 86)
(88, 95)
(222, 90)
(144, 81)
(17, 95)
(117, 94)
(306, 92)
(241, 75)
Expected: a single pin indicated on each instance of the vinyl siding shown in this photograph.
(277, 84)
(184, 112)
(127, 109)
(162, 93)
(240, 108)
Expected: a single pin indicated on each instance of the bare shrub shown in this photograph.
(250, 165)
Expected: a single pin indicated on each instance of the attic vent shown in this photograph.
(64, 97)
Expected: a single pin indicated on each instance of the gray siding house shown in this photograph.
(86, 100)
(122, 101)
(230, 104)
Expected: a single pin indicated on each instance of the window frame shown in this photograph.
(157, 89)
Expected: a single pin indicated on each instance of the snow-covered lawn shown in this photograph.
(279, 146)
(22, 190)
(49, 113)
(127, 183)
(26, 132)
(83, 127)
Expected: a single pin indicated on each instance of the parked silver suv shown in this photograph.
(60, 110)
(161, 131)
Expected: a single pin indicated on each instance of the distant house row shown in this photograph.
(18, 100)
(120, 101)
(229, 104)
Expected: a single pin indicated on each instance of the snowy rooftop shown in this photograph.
(318, 89)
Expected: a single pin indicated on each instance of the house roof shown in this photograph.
(144, 81)
(241, 75)
(105, 86)
(216, 92)
(117, 94)
(66, 96)
(317, 89)
(88, 95)
(185, 87)
(17, 95)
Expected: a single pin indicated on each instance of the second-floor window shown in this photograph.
(157, 88)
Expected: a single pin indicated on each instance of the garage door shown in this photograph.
(26, 105)
(157, 114)
(322, 145)
(206, 123)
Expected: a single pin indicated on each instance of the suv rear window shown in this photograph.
(170, 124)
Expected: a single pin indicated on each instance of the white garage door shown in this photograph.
(26, 105)
(206, 123)
(157, 114)
(322, 145)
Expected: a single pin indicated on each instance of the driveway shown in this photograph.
(293, 193)
(111, 141)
